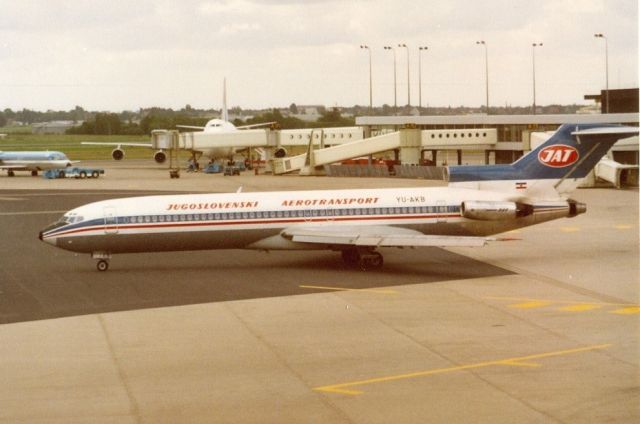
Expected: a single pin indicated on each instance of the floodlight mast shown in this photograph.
(395, 85)
(486, 64)
(606, 68)
(533, 57)
(408, 75)
(370, 79)
(420, 49)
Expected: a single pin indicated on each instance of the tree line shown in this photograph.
(146, 120)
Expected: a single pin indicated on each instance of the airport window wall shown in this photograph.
(505, 132)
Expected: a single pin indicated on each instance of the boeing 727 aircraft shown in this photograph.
(32, 161)
(479, 201)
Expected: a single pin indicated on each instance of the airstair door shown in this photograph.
(110, 220)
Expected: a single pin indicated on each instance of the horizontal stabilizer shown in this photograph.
(621, 131)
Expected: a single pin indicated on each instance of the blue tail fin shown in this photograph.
(570, 154)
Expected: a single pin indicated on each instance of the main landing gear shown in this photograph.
(365, 259)
(103, 260)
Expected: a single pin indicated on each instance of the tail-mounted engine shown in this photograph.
(576, 208)
(494, 211)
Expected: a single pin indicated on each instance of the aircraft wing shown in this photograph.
(99, 143)
(262, 124)
(193, 127)
(14, 167)
(378, 236)
(34, 166)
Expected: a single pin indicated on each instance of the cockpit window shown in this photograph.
(70, 219)
(63, 220)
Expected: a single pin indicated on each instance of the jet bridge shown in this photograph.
(197, 141)
(410, 143)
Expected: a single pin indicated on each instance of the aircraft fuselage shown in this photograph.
(255, 220)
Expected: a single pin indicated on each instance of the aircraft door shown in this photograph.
(441, 210)
(329, 214)
(110, 220)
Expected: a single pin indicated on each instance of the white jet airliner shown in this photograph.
(479, 201)
(216, 125)
(33, 161)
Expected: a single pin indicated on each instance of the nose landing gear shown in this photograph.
(103, 260)
(102, 265)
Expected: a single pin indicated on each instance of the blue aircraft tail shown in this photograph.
(570, 154)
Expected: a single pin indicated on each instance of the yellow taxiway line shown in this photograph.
(570, 305)
(520, 361)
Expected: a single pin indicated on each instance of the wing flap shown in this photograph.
(389, 237)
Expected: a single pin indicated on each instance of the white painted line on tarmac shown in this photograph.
(31, 213)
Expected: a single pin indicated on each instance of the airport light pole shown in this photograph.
(533, 57)
(370, 80)
(395, 86)
(606, 67)
(486, 65)
(408, 75)
(420, 49)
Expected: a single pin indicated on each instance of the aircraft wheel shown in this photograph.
(10, 173)
(376, 260)
(351, 257)
(34, 173)
(372, 260)
(102, 265)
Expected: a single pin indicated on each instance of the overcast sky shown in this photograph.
(122, 55)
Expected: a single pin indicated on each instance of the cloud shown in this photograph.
(120, 54)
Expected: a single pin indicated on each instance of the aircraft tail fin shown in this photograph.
(225, 113)
(554, 168)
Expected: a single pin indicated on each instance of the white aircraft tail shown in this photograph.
(225, 113)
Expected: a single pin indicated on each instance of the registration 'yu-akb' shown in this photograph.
(479, 201)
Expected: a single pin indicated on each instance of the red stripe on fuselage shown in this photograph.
(221, 223)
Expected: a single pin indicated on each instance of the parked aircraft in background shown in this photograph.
(479, 201)
(33, 161)
(216, 125)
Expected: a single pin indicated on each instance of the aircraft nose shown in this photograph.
(49, 240)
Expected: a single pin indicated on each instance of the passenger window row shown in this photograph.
(311, 213)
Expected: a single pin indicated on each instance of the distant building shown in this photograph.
(620, 101)
(307, 113)
(53, 127)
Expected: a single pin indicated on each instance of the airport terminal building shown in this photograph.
(513, 132)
